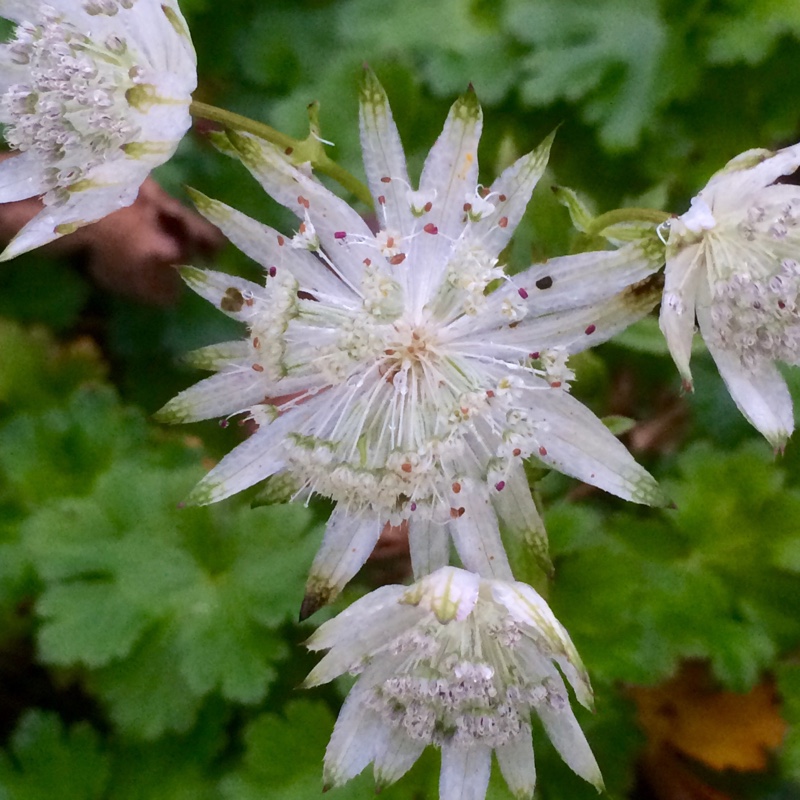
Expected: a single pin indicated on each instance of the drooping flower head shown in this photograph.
(734, 260)
(458, 662)
(383, 371)
(95, 94)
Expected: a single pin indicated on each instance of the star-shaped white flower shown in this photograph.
(458, 662)
(383, 371)
(733, 261)
(95, 94)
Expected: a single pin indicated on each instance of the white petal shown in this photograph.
(475, 531)
(518, 513)
(269, 248)
(451, 168)
(228, 293)
(358, 618)
(684, 271)
(368, 634)
(154, 38)
(84, 207)
(252, 461)
(449, 176)
(162, 126)
(348, 542)
(516, 184)
(221, 395)
(216, 357)
(450, 593)
(16, 10)
(574, 330)
(578, 444)
(584, 278)
(328, 213)
(567, 737)
(760, 394)
(394, 756)
(527, 606)
(351, 746)
(465, 772)
(179, 53)
(562, 286)
(536, 664)
(429, 543)
(21, 176)
(517, 764)
(384, 158)
(731, 187)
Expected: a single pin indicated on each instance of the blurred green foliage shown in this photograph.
(156, 644)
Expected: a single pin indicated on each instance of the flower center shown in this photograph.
(759, 318)
(73, 111)
(410, 348)
(464, 681)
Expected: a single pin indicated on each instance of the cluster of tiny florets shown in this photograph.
(758, 318)
(444, 694)
(73, 110)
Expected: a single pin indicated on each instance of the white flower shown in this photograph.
(459, 662)
(732, 260)
(95, 95)
(398, 384)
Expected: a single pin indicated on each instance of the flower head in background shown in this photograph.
(733, 260)
(95, 94)
(385, 373)
(459, 662)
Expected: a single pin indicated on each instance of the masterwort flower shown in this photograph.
(95, 94)
(734, 260)
(384, 372)
(459, 662)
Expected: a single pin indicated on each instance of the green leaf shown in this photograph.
(88, 622)
(788, 681)
(146, 695)
(475, 49)
(47, 762)
(279, 749)
(283, 761)
(35, 372)
(60, 451)
(166, 604)
(619, 425)
(748, 31)
(174, 768)
(708, 580)
(35, 288)
(607, 56)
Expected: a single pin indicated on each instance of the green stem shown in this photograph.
(345, 179)
(623, 215)
(240, 123)
(310, 149)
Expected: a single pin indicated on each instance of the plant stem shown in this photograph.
(299, 151)
(623, 215)
(240, 123)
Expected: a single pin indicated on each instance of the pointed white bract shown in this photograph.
(402, 373)
(95, 95)
(459, 662)
(733, 261)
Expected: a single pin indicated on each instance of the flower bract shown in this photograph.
(733, 261)
(401, 372)
(95, 94)
(459, 662)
